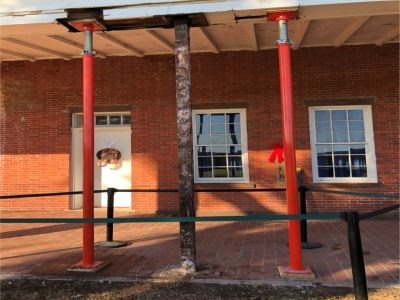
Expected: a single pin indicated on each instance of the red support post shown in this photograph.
(88, 154)
(295, 254)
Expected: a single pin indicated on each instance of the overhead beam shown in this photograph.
(73, 44)
(18, 55)
(300, 33)
(389, 35)
(350, 30)
(119, 43)
(36, 47)
(160, 40)
(209, 40)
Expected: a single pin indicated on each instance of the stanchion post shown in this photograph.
(303, 211)
(356, 255)
(110, 213)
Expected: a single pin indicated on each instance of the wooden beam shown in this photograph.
(389, 35)
(36, 47)
(253, 37)
(160, 40)
(209, 40)
(185, 143)
(73, 44)
(119, 43)
(17, 54)
(350, 30)
(300, 33)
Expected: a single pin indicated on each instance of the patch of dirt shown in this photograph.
(80, 289)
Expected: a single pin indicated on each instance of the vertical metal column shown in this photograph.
(185, 143)
(88, 147)
(285, 71)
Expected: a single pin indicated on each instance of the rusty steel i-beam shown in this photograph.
(185, 143)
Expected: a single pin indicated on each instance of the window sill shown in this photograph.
(225, 185)
(345, 185)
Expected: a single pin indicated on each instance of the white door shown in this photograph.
(106, 136)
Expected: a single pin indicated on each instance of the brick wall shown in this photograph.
(37, 98)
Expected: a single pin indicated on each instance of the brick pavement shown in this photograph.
(226, 250)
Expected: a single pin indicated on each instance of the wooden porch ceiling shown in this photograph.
(227, 31)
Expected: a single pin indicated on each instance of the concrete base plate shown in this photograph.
(79, 267)
(287, 273)
(112, 244)
(310, 245)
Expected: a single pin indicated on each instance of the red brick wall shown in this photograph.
(37, 97)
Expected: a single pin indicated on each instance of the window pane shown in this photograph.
(205, 172)
(218, 118)
(235, 150)
(324, 149)
(203, 139)
(356, 125)
(359, 172)
(126, 119)
(357, 137)
(233, 128)
(234, 161)
(219, 139)
(323, 126)
(339, 126)
(325, 171)
(324, 137)
(355, 114)
(324, 160)
(339, 115)
(357, 149)
(101, 120)
(203, 151)
(341, 149)
(218, 129)
(358, 166)
(340, 137)
(341, 160)
(342, 172)
(204, 161)
(78, 121)
(220, 172)
(233, 118)
(322, 115)
(115, 120)
(219, 161)
(235, 172)
(234, 139)
(202, 124)
(221, 150)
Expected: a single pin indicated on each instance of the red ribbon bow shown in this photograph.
(277, 151)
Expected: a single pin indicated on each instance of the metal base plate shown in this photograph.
(111, 244)
(310, 245)
(287, 273)
(79, 267)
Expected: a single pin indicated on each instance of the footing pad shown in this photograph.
(286, 272)
(79, 267)
(112, 244)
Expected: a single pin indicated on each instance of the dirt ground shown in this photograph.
(80, 289)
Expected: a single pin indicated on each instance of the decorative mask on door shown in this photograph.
(109, 157)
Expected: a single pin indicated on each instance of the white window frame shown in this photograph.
(243, 136)
(108, 115)
(369, 146)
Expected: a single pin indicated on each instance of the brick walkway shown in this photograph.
(226, 250)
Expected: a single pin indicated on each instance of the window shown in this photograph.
(342, 144)
(220, 145)
(104, 120)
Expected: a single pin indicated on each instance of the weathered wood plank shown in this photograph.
(185, 143)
